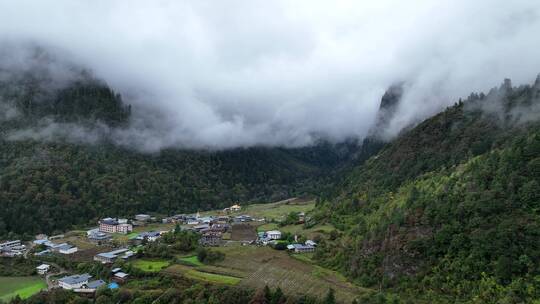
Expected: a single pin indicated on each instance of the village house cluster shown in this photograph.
(81, 283)
(52, 247)
(12, 248)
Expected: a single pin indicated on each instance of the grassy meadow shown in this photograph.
(22, 286)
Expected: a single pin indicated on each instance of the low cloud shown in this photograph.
(207, 74)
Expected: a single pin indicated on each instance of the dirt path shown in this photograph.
(50, 284)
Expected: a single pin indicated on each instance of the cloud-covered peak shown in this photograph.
(243, 73)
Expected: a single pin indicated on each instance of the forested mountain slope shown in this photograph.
(51, 185)
(450, 210)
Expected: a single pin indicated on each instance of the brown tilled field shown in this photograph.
(260, 266)
(243, 232)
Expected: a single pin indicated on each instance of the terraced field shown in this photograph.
(260, 266)
(277, 211)
(210, 275)
(22, 286)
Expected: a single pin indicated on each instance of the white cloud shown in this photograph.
(242, 73)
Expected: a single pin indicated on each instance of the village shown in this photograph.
(116, 242)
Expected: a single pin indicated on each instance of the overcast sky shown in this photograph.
(225, 74)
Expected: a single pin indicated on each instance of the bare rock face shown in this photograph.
(387, 109)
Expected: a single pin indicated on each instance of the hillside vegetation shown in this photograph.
(450, 209)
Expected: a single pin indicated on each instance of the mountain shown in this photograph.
(51, 184)
(450, 210)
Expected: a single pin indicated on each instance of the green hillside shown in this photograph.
(449, 211)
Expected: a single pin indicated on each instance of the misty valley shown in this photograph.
(198, 153)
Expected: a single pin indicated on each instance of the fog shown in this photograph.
(224, 74)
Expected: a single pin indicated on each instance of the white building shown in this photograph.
(74, 281)
(273, 234)
(235, 208)
(43, 268)
(111, 225)
(67, 249)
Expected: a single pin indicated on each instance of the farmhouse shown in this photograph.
(111, 225)
(235, 208)
(273, 234)
(242, 219)
(74, 281)
(150, 236)
(219, 227)
(201, 227)
(300, 248)
(67, 249)
(43, 268)
(110, 257)
(97, 237)
(211, 239)
(120, 277)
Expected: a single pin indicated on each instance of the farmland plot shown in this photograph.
(264, 266)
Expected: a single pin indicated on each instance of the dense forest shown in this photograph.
(449, 211)
(49, 186)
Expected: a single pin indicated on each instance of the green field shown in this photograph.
(277, 211)
(211, 277)
(191, 260)
(22, 286)
(150, 265)
(203, 274)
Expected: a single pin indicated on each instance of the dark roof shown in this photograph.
(75, 279)
(109, 222)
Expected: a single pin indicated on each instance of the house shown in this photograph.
(300, 248)
(120, 277)
(235, 208)
(150, 236)
(10, 244)
(92, 231)
(40, 242)
(90, 288)
(206, 220)
(43, 269)
(97, 237)
(223, 219)
(211, 239)
(109, 257)
(67, 249)
(242, 219)
(201, 227)
(111, 225)
(115, 270)
(142, 217)
(273, 234)
(74, 281)
(12, 248)
(219, 227)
